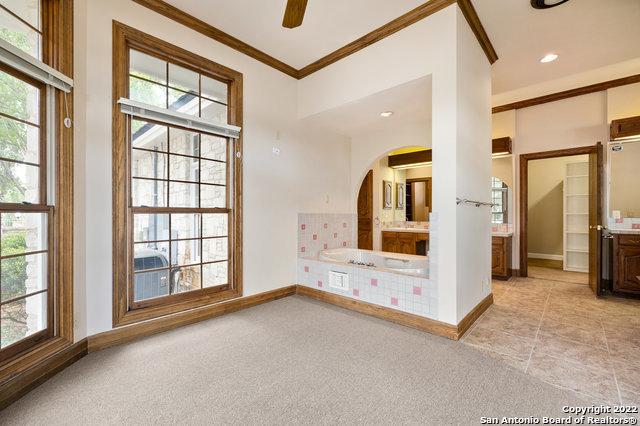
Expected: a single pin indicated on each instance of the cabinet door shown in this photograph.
(406, 243)
(627, 278)
(498, 260)
(389, 241)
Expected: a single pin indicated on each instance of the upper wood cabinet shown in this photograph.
(625, 127)
(626, 266)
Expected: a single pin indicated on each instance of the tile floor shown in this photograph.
(551, 326)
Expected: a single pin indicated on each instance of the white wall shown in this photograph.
(417, 51)
(473, 171)
(311, 174)
(623, 102)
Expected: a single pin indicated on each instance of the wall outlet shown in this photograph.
(276, 150)
(339, 280)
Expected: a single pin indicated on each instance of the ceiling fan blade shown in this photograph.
(294, 13)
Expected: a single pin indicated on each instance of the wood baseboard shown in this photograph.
(403, 318)
(475, 313)
(158, 325)
(20, 385)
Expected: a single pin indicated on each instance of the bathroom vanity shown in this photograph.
(626, 262)
(407, 241)
(501, 257)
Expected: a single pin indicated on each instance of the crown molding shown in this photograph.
(409, 18)
(472, 18)
(578, 91)
(177, 15)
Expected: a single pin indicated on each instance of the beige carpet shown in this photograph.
(290, 361)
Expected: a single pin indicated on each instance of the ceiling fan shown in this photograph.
(294, 13)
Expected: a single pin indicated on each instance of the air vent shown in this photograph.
(339, 280)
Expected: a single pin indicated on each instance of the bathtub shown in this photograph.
(395, 262)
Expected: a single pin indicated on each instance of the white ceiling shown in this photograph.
(328, 24)
(410, 103)
(587, 34)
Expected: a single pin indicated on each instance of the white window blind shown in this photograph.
(22, 61)
(146, 111)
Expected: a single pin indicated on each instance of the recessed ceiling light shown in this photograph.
(550, 57)
(386, 114)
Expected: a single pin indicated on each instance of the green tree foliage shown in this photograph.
(13, 320)
(13, 145)
(13, 134)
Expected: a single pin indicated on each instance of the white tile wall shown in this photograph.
(624, 223)
(317, 232)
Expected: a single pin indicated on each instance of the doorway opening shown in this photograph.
(561, 214)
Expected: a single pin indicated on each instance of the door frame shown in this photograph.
(524, 190)
(424, 179)
(369, 187)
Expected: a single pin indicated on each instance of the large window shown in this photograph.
(182, 208)
(29, 310)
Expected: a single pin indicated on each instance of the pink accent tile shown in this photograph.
(494, 229)
(356, 292)
(635, 226)
(302, 249)
(325, 246)
(319, 283)
(374, 282)
(335, 235)
(620, 220)
(315, 236)
(325, 226)
(394, 301)
(417, 290)
(306, 269)
(344, 244)
(303, 226)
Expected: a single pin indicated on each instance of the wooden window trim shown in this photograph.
(125, 38)
(57, 51)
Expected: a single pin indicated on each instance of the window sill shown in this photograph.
(31, 358)
(152, 312)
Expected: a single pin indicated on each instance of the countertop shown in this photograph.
(501, 234)
(625, 231)
(414, 230)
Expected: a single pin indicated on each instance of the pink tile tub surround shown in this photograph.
(317, 232)
(412, 294)
(624, 223)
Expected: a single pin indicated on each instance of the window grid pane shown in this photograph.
(178, 252)
(20, 25)
(24, 233)
(183, 247)
(24, 272)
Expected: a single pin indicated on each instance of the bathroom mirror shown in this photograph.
(418, 199)
(500, 199)
(624, 179)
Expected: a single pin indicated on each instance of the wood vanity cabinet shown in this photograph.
(626, 264)
(501, 258)
(402, 242)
